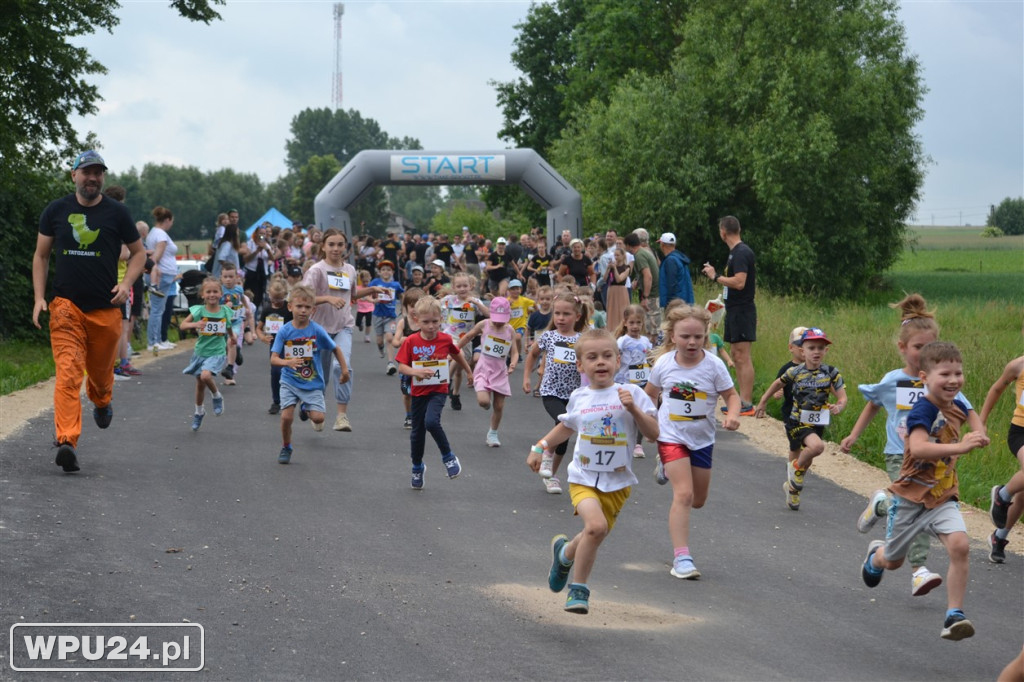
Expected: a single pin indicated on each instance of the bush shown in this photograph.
(992, 231)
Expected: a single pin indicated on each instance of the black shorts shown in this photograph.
(137, 297)
(1015, 439)
(740, 324)
(797, 432)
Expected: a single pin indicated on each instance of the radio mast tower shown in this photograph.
(339, 12)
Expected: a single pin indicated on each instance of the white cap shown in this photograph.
(668, 238)
(515, 283)
(501, 240)
(438, 262)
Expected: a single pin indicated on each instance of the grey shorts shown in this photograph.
(313, 401)
(652, 321)
(384, 325)
(908, 519)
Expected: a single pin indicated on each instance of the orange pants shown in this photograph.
(84, 344)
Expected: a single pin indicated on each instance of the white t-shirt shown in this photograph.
(168, 264)
(605, 435)
(689, 398)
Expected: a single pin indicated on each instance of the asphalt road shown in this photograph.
(332, 568)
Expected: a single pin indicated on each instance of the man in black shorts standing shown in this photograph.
(740, 284)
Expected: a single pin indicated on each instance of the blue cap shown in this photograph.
(89, 158)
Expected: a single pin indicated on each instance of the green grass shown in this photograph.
(22, 364)
(960, 238)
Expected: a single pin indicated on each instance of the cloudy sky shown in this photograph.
(224, 95)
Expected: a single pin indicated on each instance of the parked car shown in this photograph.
(192, 275)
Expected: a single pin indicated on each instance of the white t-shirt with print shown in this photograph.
(605, 435)
(689, 396)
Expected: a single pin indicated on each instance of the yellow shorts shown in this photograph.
(611, 503)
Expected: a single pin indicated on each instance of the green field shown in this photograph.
(953, 263)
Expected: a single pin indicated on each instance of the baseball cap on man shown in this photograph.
(813, 334)
(501, 240)
(667, 238)
(89, 158)
(501, 310)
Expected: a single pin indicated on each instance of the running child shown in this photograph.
(273, 315)
(424, 356)
(296, 350)
(407, 325)
(212, 321)
(926, 491)
(364, 306)
(1007, 500)
(634, 349)
(606, 418)
(384, 311)
(688, 380)
(561, 375)
(540, 317)
(896, 393)
(521, 307)
(812, 383)
(459, 311)
(235, 299)
(490, 374)
(796, 357)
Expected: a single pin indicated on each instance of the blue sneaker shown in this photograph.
(417, 477)
(103, 416)
(218, 406)
(870, 578)
(197, 421)
(451, 463)
(285, 456)
(579, 599)
(683, 568)
(559, 573)
(303, 414)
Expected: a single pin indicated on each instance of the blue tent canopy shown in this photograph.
(274, 217)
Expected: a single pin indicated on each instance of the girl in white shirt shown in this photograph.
(689, 381)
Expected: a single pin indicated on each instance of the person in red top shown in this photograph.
(424, 357)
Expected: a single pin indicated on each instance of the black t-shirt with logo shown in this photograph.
(390, 248)
(541, 266)
(469, 253)
(502, 259)
(87, 241)
(445, 252)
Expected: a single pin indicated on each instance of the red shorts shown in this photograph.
(670, 452)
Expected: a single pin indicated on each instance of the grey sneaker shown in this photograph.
(870, 514)
(683, 568)
(218, 406)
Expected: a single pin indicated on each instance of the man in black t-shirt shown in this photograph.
(499, 266)
(740, 282)
(86, 229)
(444, 251)
(470, 257)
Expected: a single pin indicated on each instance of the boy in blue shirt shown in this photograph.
(384, 313)
(296, 351)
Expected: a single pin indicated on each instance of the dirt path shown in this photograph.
(844, 470)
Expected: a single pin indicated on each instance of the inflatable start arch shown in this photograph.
(524, 167)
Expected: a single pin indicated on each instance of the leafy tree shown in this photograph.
(312, 177)
(1008, 216)
(796, 118)
(417, 203)
(457, 213)
(43, 84)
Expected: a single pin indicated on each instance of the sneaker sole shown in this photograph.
(868, 517)
(556, 545)
(927, 586)
(957, 631)
(789, 491)
(869, 579)
(577, 607)
(792, 481)
(67, 460)
(994, 501)
(690, 575)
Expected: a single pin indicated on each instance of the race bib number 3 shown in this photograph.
(815, 417)
(691, 406)
(495, 347)
(601, 453)
(213, 327)
(439, 369)
(908, 393)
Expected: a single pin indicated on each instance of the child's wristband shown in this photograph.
(537, 450)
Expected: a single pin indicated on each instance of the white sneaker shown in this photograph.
(553, 486)
(318, 426)
(638, 452)
(924, 581)
(547, 465)
(165, 345)
(492, 439)
(870, 514)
